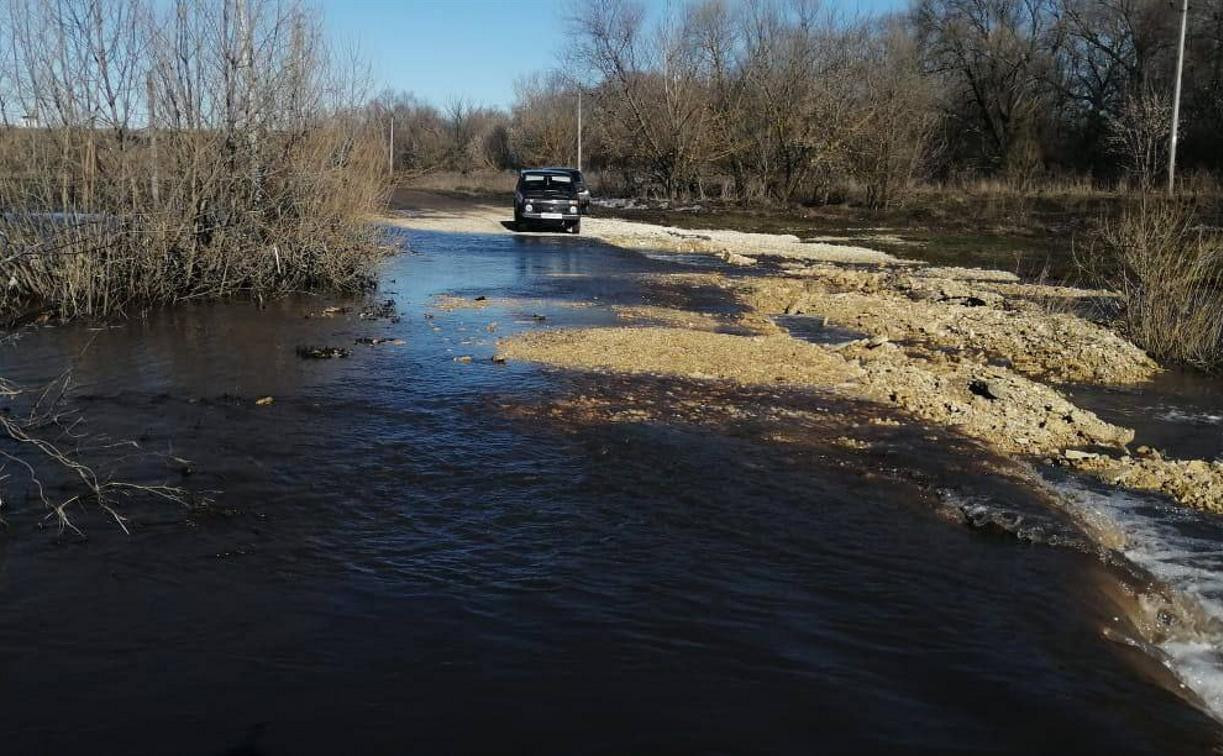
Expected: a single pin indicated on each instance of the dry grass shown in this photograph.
(471, 182)
(254, 174)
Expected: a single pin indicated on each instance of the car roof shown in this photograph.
(550, 170)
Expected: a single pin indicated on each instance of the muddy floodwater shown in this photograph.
(404, 553)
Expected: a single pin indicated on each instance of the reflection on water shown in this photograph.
(397, 563)
(1180, 412)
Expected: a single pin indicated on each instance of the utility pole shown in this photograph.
(1176, 97)
(154, 177)
(579, 127)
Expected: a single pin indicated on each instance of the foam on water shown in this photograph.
(1181, 549)
(1175, 415)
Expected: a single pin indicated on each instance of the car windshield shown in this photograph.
(546, 181)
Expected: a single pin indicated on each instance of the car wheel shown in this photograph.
(518, 224)
(575, 227)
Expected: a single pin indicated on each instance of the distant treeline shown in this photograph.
(786, 100)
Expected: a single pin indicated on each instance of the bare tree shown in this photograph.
(997, 56)
(653, 105)
(1139, 135)
(543, 130)
(900, 123)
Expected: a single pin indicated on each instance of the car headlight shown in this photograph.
(527, 207)
(573, 208)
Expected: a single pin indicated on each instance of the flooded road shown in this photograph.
(403, 553)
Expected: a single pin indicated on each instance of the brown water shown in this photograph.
(405, 554)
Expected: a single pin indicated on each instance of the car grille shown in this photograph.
(550, 205)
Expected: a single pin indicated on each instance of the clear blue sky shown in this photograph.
(475, 49)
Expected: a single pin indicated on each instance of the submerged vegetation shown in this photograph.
(153, 153)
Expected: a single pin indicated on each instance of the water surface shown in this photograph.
(396, 560)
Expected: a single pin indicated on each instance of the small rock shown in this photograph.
(328, 312)
(734, 258)
(992, 390)
(1074, 455)
(264, 401)
(463, 359)
(384, 311)
(321, 353)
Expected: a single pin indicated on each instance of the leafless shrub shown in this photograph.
(1139, 136)
(195, 150)
(1169, 275)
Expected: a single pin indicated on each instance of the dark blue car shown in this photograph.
(549, 197)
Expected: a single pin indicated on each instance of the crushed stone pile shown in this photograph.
(945, 314)
(748, 360)
(1194, 482)
(990, 404)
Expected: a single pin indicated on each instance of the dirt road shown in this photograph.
(431, 211)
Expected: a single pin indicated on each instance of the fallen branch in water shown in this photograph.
(45, 436)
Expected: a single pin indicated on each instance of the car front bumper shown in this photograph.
(539, 216)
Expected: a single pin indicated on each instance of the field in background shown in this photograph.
(1046, 232)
